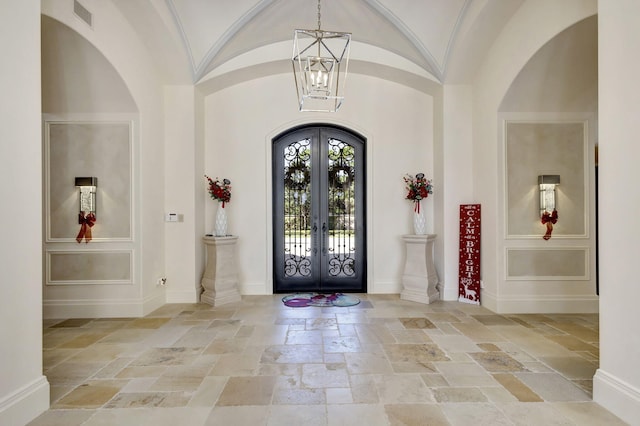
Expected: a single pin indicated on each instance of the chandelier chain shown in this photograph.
(318, 15)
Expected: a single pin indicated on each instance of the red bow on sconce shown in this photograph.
(549, 219)
(86, 223)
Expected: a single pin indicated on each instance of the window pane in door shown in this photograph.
(341, 177)
(297, 209)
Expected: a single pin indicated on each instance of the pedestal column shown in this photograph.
(419, 280)
(220, 279)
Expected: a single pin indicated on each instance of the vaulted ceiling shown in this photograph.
(443, 39)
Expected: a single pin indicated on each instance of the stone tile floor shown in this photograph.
(383, 362)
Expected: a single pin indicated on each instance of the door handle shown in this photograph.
(314, 238)
(324, 238)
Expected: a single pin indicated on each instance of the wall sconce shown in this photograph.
(87, 215)
(548, 202)
(87, 187)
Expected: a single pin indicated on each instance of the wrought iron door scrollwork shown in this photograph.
(341, 177)
(297, 182)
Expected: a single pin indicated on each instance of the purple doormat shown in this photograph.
(301, 300)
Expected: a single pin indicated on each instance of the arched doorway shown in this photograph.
(318, 210)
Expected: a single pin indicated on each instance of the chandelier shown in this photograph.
(320, 59)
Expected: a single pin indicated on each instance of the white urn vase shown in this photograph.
(220, 226)
(419, 220)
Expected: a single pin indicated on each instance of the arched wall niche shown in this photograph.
(548, 120)
(562, 76)
(77, 77)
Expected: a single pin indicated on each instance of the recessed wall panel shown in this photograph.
(545, 148)
(104, 267)
(553, 264)
(97, 149)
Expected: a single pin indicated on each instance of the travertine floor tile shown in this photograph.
(585, 413)
(448, 395)
(478, 332)
(497, 362)
(493, 320)
(92, 395)
(339, 396)
(256, 390)
(415, 414)
(149, 322)
(325, 376)
(456, 343)
(67, 373)
(465, 374)
(169, 416)
(62, 418)
(84, 340)
(536, 413)
(342, 344)
(167, 356)
(363, 389)
(476, 414)
(518, 389)
(367, 363)
(416, 323)
(553, 387)
(292, 354)
(148, 399)
(415, 353)
(74, 322)
(307, 415)
(384, 362)
(572, 343)
(208, 392)
(581, 332)
(356, 414)
(572, 367)
(299, 397)
(403, 389)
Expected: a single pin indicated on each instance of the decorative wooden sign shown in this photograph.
(469, 254)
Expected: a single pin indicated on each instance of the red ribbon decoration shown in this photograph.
(549, 219)
(86, 223)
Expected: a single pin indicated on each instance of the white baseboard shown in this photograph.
(617, 396)
(388, 287)
(183, 296)
(59, 309)
(255, 289)
(534, 304)
(154, 302)
(448, 292)
(25, 404)
(261, 288)
(488, 300)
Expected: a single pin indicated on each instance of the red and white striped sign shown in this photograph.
(469, 254)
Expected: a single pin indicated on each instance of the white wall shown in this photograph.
(617, 382)
(183, 278)
(458, 181)
(24, 391)
(242, 119)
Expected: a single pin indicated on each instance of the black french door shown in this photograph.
(318, 211)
